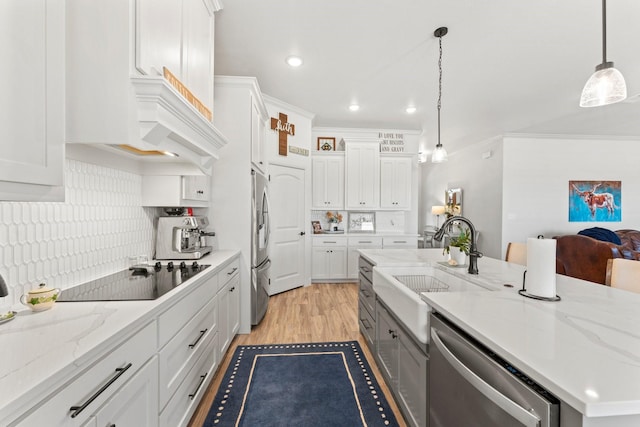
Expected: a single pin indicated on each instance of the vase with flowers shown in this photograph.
(334, 219)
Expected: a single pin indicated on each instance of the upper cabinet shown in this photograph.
(32, 45)
(118, 92)
(327, 181)
(362, 175)
(395, 182)
(258, 134)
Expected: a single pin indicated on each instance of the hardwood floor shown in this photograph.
(315, 313)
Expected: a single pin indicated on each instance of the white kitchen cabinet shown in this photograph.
(228, 309)
(32, 45)
(116, 94)
(135, 404)
(171, 190)
(329, 258)
(327, 181)
(178, 35)
(404, 365)
(355, 243)
(258, 129)
(395, 183)
(78, 400)
(362, 170)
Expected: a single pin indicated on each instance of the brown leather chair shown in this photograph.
(584, 258)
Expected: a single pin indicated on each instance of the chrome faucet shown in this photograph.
(473, 250)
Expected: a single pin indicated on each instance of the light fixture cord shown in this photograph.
(439, 88)
(604, 31)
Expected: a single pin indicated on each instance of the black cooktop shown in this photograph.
(137, 283)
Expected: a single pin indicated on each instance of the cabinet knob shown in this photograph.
(302, 233)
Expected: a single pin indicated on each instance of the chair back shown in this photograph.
(516, 253)
(623, 274)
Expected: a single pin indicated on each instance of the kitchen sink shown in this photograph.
(400, 287)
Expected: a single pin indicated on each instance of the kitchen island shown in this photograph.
(584, 349)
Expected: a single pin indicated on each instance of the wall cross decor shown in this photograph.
(283, 128)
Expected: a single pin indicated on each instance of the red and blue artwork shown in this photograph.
(595, 201)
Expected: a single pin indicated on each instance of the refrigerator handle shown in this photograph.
(265, 218)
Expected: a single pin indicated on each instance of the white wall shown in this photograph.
(481, 182)
(536, 176)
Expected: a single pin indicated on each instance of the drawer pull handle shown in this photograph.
(366, 323)
(78, 409)
(195, 343)
(365, 241)
(328, 241)
(232, 271)
(365, 269)
(202, 377)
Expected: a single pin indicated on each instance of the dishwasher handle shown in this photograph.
(509, 406)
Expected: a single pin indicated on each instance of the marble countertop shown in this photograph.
(585, 349)
(40, 350)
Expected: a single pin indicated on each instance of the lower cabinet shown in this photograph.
(329, 262)
(228, 313)
(158, 375)
(403, 362)
(355, 243)
(135, 403)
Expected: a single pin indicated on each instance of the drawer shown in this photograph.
(330, 241)
(367, 325)
(174, 318)
(227, 273)
(177, 357)
(366, 241)
(111, 372)
(367, 294)
(400, 242)
(178, 411)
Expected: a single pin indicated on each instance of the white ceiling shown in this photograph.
(508, 65)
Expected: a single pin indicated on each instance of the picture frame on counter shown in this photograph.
(326, 143)
(317, 227)
(362, 222)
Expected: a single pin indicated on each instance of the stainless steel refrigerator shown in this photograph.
(260, 262)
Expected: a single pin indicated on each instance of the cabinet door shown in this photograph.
(395, 183)
(197, 56)
(159, 36)
(195, 187)
(228, 314)
(32, 45)
(412, 380)
(320, 263)
(334, 183)
(362, 175)
(136, 403)
(338, 262)
(387, 344)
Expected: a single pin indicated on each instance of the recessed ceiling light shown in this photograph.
(354, 107)
(411, 110)
(294, 61)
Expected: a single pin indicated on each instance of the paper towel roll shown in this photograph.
(541, 267)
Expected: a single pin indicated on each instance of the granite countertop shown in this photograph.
(39, 350)
(585, 349)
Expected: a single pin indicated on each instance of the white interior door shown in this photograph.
(288, 233)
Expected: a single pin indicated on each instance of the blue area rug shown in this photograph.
(302, 385)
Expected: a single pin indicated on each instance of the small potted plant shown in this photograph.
(334, 219)
(459, 247)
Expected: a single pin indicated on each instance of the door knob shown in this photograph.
(302, 233)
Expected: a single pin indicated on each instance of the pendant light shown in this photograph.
(606, 85)
(439, 155)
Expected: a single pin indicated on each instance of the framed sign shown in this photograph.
(362, 222)
(326, 143)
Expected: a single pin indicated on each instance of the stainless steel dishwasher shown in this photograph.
(469, 385)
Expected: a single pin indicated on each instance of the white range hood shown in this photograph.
(149, 117)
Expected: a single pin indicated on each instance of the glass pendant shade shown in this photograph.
(606, 86)
(439, 155)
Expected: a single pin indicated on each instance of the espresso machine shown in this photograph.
(181, 237)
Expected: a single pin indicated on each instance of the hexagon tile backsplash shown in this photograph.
(89, 235)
